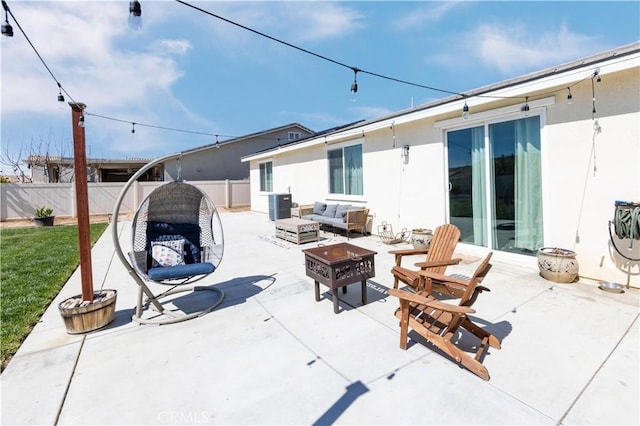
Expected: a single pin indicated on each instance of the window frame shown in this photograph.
(343, 195)
(266, 180)
(292, 136)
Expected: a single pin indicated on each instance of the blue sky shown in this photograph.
(187, 70)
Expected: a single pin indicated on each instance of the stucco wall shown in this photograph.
(587, 164)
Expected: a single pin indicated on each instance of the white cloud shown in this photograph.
(516, 48)
(292, 22)
(85, 58)
(178, 47)
(429, 13)
(325, 20)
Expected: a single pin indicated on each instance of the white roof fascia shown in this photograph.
(496, 112)
(519, 92)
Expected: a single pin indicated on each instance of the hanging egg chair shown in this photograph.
(176, 240)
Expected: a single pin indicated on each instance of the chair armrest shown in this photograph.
(423, 265)
(407, 252)
(357, 217)
(305, 209)
(444, 279)
(435, 304)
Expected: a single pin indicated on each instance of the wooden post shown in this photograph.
(82, 199)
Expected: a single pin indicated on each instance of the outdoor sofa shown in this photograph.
(337, 216)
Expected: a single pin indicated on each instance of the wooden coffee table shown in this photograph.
(297, 230)
(339, 265)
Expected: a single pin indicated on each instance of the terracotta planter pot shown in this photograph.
(557, 264)
(80, 317)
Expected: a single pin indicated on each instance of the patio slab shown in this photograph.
(271, 354)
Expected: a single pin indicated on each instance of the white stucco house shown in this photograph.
(536, 161)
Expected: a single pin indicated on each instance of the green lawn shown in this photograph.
(35, 263)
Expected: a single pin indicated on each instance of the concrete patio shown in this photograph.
(271, 354)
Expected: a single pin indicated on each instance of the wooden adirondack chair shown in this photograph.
(438, 257)
(439, 322)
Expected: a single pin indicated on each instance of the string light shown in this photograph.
(525, 108)
(354, 85)
(81, 121)
(135, 15)
(7, 29)
(135, 10)
(60, 95)
(133, 127)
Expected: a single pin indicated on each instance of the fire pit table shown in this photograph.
(339, 265)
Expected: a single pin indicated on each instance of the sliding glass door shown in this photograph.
(495, 194)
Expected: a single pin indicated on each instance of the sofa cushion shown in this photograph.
(341, 211)
(319, 208)
(330, 211)
(180, 271)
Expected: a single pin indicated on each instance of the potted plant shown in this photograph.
(44, 216)
(558, 264)
(421, 238)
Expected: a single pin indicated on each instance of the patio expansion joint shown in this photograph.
(71, 376)
(306, 346)
(595, 373)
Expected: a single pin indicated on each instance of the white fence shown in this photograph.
(20, 200)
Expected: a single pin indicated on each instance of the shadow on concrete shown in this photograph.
(354, 391)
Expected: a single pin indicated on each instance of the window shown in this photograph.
(266, 176)
(345, 170)
(294, 135)
(495, 193)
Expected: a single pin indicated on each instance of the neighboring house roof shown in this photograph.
(593, 60)
(312, 136)
(40, 160)
(253, 136)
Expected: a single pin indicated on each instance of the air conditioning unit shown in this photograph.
(279, 206)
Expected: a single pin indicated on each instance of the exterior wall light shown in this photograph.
(405, 154)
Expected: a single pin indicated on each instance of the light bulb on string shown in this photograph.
(61, 103)
(354, 85)
(7, 29)
(465, 110)
(133, 127)
(81, 121)
(525, 108)
(135, 15)
(569, 96)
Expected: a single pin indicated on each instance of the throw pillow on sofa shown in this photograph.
(319, 208)
(330, 211)
(341, 211)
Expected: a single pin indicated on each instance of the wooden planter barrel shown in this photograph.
(80, 317)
